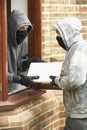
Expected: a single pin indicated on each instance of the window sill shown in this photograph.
(20, 98)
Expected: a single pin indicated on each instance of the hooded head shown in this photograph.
(69, 29)
(16, 21)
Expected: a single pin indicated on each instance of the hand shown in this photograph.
(28, 81)
(53, 80)
(33, 77)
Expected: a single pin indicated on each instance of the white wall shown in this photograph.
(21, 5)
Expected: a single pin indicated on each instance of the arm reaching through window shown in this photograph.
(25, 80)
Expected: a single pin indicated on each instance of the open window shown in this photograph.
(5, 9)
(30, 42)
(21, 5)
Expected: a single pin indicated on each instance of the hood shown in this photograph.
(16, 20)
(69, 29)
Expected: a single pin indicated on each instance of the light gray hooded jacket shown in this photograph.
(73, 83)
(16, 20)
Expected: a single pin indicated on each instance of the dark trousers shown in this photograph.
(76, 124)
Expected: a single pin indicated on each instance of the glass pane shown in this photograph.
(52, 12)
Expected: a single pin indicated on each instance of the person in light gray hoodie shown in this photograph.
(74, 80)
(19, 27)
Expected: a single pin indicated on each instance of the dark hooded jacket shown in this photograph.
(16, 20)
(74, 81)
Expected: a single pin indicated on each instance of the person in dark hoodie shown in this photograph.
(74, 80)
(19, 28)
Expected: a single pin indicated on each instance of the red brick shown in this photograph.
(3, 121)
(35, 112)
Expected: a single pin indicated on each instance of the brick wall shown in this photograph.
(52, 12)
(45, 112)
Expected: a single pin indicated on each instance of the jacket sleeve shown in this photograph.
(77, 72)
(12, 78)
